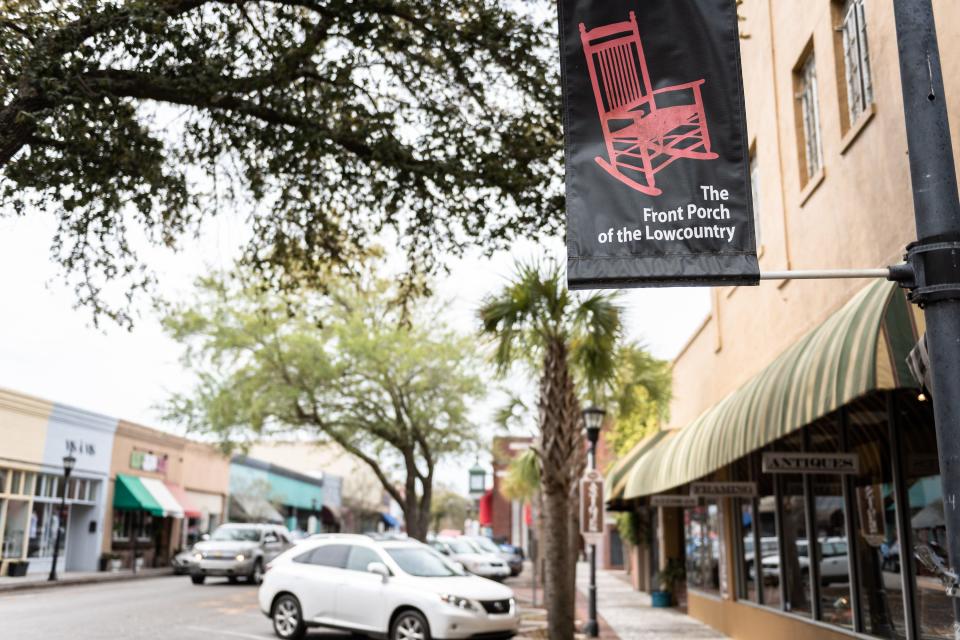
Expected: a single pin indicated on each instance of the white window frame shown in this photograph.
(856, 59)
(809, 103)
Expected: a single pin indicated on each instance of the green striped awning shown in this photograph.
(616, 479)
(137, 493)
(860, 348)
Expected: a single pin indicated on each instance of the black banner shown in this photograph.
(658, 175)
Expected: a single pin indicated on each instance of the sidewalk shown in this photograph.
(39, 580)
(629, 614)
(533, 617)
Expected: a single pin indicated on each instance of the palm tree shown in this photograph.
(534, 320)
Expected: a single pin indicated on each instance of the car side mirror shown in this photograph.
(380, 569)
(205, 537)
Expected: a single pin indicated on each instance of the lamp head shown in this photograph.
(592, 421)
(69, 462)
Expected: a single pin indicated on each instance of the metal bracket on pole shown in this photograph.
(932, 270)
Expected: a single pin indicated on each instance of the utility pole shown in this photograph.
(933, 271)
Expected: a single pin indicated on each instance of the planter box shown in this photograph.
(661, 599)
(116, 564)
(17, 569)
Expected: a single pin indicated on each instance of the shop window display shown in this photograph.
(44, 522)
(769, 580)
(926, 520)
(15, 528)
(703, 540)
(830, 528)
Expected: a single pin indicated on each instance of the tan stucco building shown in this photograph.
(811, 367)
(196, 476)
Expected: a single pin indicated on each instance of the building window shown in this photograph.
(702, 526)
(44, 522)
(126, 523)
(856, 61)
(808, 112)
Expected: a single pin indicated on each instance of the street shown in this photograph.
(169, 608)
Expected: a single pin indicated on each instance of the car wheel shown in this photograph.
(287, 618)
(410, 625)
(256, 574)
(197, 579)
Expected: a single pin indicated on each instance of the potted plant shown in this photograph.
(667, 580)
(116, 562)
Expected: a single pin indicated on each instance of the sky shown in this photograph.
(51, 350)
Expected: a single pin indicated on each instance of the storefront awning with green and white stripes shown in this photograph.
(860, 348)
(616, 479)
(136, 493)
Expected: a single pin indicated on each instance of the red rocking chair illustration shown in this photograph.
(641, 137)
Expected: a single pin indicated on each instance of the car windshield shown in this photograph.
(423, 562)
(461, 546)
(486, 544)
(236, 534)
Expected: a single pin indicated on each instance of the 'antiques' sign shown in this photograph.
(657, 162)
(842, 463)
(674, 501)
(591, 506)
(724, 489)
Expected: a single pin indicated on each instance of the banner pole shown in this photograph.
(934, 256)
(825, 274)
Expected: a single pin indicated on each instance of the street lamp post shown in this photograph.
(68, 463)
(592, 421)
(478, 485)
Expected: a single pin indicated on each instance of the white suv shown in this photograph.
(400, 590)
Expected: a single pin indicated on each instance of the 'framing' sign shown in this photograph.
(724, 489)
(657, 162)
(591, 506)
(841, 463)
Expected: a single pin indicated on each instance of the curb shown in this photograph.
(92, 579)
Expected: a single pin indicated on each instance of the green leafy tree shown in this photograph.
(565, 339)
(329, 121)
(449, 510)
(390, 386)
(639, 393)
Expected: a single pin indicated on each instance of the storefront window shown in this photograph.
(126, 523)
(830, 528)
(748, 586)
(15, 480)
(874, 514)
(15, 528)
(925, 511)
(796, 559)
(702, 526)
(766, 522)
(44, 522)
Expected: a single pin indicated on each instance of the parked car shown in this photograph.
(514, 560)
(481, 563)
(834, 566)
(183, 562)
(395, 589)
(238, 550)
